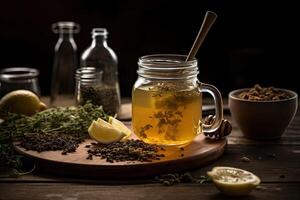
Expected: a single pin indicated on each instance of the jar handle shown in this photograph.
(215, 93)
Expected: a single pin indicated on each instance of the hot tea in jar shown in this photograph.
(167, 101)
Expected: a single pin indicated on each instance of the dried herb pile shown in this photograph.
(51, 141)
(171, 179)
(258, 93)
(129, 150)
(52, 129)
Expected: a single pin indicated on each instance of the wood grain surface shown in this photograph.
(71, 191)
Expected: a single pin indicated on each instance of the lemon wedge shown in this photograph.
(233, 181)
(103, 132)
(108, 132)
(120, 126)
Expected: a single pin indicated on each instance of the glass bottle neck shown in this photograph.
(66, 35)
(99, 40)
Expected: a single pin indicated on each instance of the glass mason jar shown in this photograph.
(16, 78)
(167, 101)
(101, 56)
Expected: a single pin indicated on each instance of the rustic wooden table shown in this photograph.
(277, 163)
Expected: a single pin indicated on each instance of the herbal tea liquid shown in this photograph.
(166, 115)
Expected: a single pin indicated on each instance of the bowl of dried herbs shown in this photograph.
(263, 113)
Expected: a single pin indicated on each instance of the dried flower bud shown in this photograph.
(224, 129)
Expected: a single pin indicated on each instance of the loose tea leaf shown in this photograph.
(171, 179)
(51, 142)
(258, 93)
(129, 150)
(104, 95)
(144, 129)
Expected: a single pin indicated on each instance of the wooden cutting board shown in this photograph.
(199, 153)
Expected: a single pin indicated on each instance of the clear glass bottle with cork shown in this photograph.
(100, 56)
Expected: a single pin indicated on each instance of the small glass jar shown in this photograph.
(167, 101)
(90, 88)
(16, 78)
(86, 79)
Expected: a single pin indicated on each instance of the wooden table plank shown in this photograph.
(60, 191)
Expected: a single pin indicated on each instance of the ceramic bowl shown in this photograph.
(263, 120)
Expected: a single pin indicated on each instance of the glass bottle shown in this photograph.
(17, 78)
(167, 101)
(65, 63)
(102, 57)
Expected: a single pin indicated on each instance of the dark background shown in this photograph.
(232, 56)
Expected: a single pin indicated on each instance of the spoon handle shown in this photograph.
(209, 19)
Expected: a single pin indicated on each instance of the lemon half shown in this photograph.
(108, 132)
(233, 181)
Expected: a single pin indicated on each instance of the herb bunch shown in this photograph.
(52, 129)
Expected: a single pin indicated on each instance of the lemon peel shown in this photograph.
(233, 181)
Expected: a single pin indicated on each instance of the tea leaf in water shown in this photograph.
(144, 129)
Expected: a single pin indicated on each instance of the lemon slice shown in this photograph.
(103, 132)
(120, 126)
(233, 181)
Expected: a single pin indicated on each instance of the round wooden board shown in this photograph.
(200, 152)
